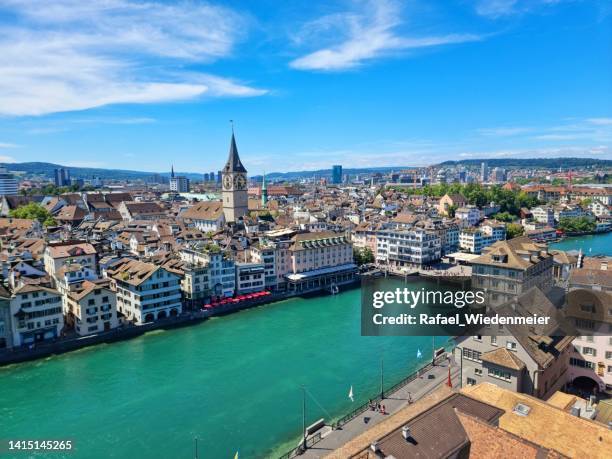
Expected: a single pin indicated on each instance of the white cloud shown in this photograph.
(600, 121)
(7, 159)
(368, 34)
(503, 131)
(74, 55)
(495, 9)
(8, 145)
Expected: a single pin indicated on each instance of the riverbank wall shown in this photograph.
(64, 345)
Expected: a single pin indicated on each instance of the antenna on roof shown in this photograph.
(232, 124)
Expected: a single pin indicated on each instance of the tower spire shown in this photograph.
(172, 171)
(233, 161)
(264, 191)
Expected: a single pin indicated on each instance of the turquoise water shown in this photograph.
(234, 382)
(591, 245)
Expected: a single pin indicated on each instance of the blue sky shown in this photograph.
(142, 84)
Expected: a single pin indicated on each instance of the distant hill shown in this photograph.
(545, 163)
(47, 170)
(295, 175)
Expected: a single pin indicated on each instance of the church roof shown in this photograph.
(233, 161)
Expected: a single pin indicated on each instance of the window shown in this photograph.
(499, 374)
(471, 381)
(582, 363)
(511, 345)
(470, 354)
(478, 371)
(589, 351)
(494, 340)
(608, 355)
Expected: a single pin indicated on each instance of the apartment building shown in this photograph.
(589, 307)
(473, 240)
(320, 260)
(145, 292)
(205, 216)
(264, 252)
(217, 277)
(6, 333)
(59, 254)
(544, 215)
(37, 315)
(508, 268)
(468, 215)
(407, 247)
(91, 307)
(250, 277)
(515, 358)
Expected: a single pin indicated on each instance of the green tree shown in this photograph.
(363, 255)
(514, 230)
(34, 211)
(577, 225)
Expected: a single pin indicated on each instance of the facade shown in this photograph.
(179, 184)
(219, 278)
(145, 292)
(407, 247)
(131, 211)
(59, 254)
(591, 359)
(474, 240)
(265, 253)
(6, 331)
(506, 269)
(235, 194)
(61, 177)
(36, 315)
(8, 183)
(250, 278)
(91, 307)
(320, 260)
(450, 200)
(336, 174)
(531, 363)
(468, 215)
(206, 215)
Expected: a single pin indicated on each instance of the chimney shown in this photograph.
(374, 447)
(406, 433)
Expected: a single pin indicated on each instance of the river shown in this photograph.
(591, 245)
(234, 382)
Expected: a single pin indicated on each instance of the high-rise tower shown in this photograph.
(264, 191)
(235, 194)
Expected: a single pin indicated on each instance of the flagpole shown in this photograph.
(196, 447)
(382, 379)
(304, 415)
(433, 350)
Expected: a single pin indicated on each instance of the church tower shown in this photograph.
(234, 182)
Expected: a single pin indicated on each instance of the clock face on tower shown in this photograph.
(239, 182)
(227, 182)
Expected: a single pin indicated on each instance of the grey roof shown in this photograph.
(233, 161)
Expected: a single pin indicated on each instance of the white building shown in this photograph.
(469, 215)
(473, 240)
(60, 254)
(37, 315)
(179, 184)
(91, 308)
(407, 247)
(145, 292)
(8, 183)
(221, 271)
(205, 216)
(545, 215)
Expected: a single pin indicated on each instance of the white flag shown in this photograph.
(419, 354)
(351, 394)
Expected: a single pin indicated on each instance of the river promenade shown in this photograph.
(428, 380)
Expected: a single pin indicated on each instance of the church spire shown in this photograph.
(233, 161)
(172, 171)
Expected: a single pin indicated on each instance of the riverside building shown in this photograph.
(407, 247)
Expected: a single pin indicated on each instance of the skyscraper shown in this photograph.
(235, 194)
(484, 172)
(337, 174)
(8, 183)
(62, 177)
